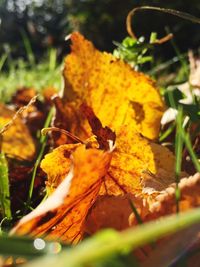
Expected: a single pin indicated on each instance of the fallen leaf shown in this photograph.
(17, 140)
(124, 100)
(164, 203)
(62, 215)
(117, 94)
(189, 190)
(35, 114)
(130, 105)
(23, 96)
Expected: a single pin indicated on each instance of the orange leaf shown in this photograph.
(113, 212)
(63, 214)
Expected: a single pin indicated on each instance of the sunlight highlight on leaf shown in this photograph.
(117, 94)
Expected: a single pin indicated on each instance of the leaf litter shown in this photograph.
(110, 157)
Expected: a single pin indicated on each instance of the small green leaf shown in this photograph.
(134, 51)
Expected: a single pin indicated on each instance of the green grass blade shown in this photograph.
(43, 140)
(190, 149)
(182, 60)
(26, 247)
(4, 188)
(165, 134)
(2, 60)
(109, 242)
(28, 48)
(134, 209)
(163, 66)
(178, 152)
(16, 246)
(52, 59)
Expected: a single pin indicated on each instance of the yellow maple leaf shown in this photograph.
(117, 94)
(17, 140)
(124, 100)
(133, 157)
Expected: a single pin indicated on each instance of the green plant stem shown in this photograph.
(188, 144)
(109, 242)
(178, 153)
(43, 140)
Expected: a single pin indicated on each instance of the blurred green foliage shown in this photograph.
(47, 22)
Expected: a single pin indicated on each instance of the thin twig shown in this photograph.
(44, 131)
(180, 14)
(19, 112)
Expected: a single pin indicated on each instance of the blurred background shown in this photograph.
(32, 34)
(46, 23)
